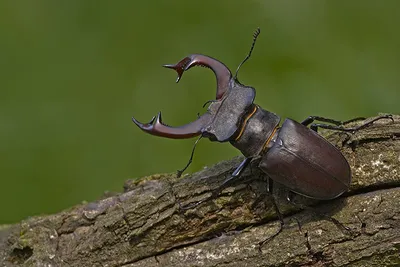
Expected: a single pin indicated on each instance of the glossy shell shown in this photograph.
(306, 163)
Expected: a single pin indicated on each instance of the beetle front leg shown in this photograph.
(236, 173)
(179, 172)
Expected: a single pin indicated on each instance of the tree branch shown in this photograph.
(144, 226)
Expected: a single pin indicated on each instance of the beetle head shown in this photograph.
(223, 76)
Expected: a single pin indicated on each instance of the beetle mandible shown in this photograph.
(291, 154)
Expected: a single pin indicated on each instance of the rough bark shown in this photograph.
(144, 226)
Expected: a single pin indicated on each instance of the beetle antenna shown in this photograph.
(255, 35)
(179, 172)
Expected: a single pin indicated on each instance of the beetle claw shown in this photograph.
(179, 67)
(145, 125)
(222, 73)
(152, 125)
(157, 127)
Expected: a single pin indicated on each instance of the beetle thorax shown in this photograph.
(256, 131)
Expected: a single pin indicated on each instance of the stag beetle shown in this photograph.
(291, 154)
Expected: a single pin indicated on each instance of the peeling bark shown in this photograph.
(144, 226)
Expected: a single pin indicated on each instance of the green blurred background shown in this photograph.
(72, 73)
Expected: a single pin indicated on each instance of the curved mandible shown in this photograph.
(158, 128)
(222, 73)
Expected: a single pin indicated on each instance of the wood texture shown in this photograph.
(145, 225)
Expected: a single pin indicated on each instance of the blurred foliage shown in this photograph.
(72, 73)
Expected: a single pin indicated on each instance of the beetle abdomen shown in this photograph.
(306, 163)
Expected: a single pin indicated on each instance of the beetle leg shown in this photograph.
(214, 194)
(289, 197)
(278, 212)
(179, 172)
(315, 126)
(236, 173)
(338, 125)
(338, 224)
(311, 119)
